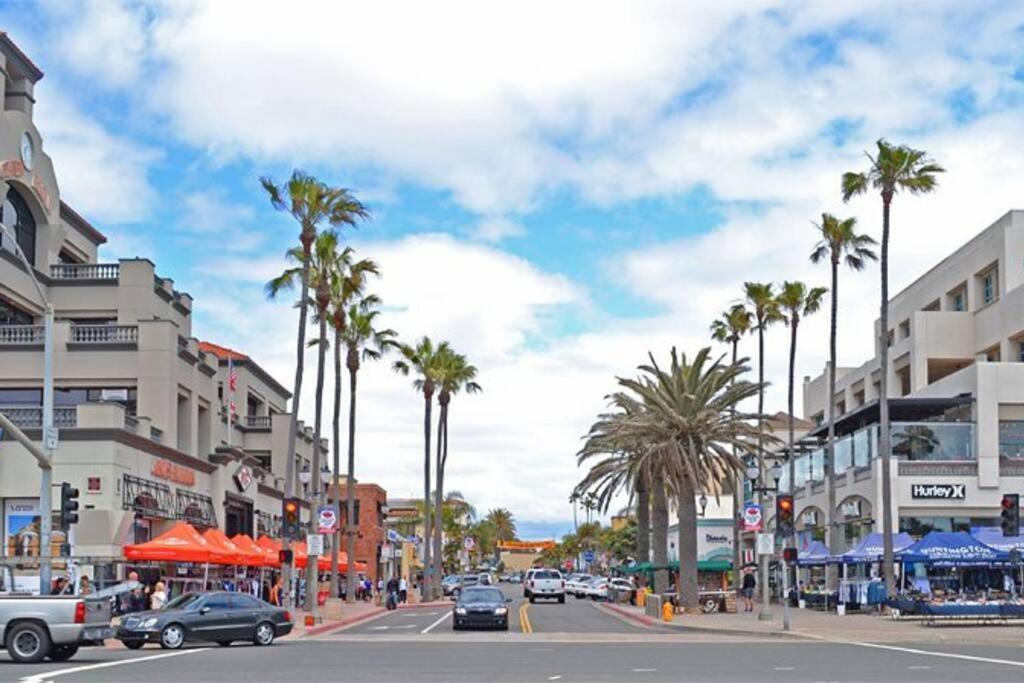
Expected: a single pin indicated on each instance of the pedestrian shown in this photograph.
(158, 598)
(343, 588)
(380, 587)
(403, 590)
(749, 584)
(84, 588)
(368, 590)
(276, 598)
(58, 586)
(392, 599)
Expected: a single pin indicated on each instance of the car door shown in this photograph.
(245, 613)
(211, 620)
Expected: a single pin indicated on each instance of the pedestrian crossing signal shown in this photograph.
(1009, 516)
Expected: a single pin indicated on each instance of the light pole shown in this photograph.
(754, 473)
(49, 433)
(312, 561)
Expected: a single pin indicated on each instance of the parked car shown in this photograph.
(481, 607)
(547, 583)
(34, 627)
(619, 590)
(449, 583)
(575, 584)
(515, 578)
(219, 617)
(596, 588)
(465, 581)
(526, 582)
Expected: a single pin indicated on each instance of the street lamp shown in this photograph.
(703, 501)
(49, 432)
(753, 473)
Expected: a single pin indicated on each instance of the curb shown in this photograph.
(650, 622)
(336, 625)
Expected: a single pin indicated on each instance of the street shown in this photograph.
(573, 642)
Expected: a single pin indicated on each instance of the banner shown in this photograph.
(326, 521)
(752, 520)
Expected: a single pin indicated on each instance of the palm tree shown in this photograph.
(311, 203)
(765, 308)
(839, 243)
(893, 169)
(796, 302)
(729, 329)
(423, 360)
(454, 373)
(504, 524)
(363, 341)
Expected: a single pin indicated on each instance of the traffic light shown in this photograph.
(284, 556)
(68, 506)
(789, 555)
(292, 526)
(1009, 517)
(784, 515)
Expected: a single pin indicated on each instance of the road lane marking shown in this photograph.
(524, 620)
(919, 668)
(783, 668)
(431, 627)
(644, 671)
(41, 677)
(555, 678)
(931, 653)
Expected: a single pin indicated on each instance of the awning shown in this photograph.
(952, 548)
(870, 549)
(815, 554)
(269, 557)
(238, 555)
(702, 565)
(992, 536)
(302, 557)
(180, 543)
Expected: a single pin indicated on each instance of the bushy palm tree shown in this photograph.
(504, 523)
(422, 359)
(454, 374)
(840, 243)
(311, 203)
(893, 169)
(362, 341)
(729, 328)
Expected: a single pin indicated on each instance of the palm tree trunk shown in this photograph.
(686, 582)
(287, 570)
(762, 559)
(350, 485)
(336, 544)
(312, 570)
(659, 523)
(884, 438)
(789, 397)
(425, 586)
(643, 520)
(439, 499)
(737, 496)
(830, 449)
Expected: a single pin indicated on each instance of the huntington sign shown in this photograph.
(938, 491)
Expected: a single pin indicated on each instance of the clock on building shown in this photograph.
(27, 150)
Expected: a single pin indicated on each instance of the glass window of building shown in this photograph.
(12, 315)
(1011, 438)
(958, 301)
(920, 526)
(16, 214)
(988, 286)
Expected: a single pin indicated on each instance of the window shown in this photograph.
(988, 287)
(243, 601)
(958, 301)
(12, 315)
(1011, 438)
(1020, 351)
(905, 329)
(16, 213)
(217, 601)
(920, 526)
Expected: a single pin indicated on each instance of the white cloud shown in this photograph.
(496, 229)
(104, 39)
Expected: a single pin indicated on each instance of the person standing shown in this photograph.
(403, 590)
(158, 598)
(749, 585)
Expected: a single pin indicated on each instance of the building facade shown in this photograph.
(956, 389)
(370, 514)
(140, 403)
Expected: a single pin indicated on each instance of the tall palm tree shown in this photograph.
(454, 373)
(363, 341)
(765, 308)
(422, 359)
(504, 523)
(840, 243)
(311, 203)
(893, 169)
(729, 329)
(796, 302)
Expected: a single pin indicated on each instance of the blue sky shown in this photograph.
(556, 190)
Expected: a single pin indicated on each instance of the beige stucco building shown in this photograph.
(139, 401)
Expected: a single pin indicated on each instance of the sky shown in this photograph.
(556, 188)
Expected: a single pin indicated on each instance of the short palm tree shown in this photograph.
(422, 359)
(504, 523)
(840, 243)
(729, 328)
(311, 203)
(893, 169)
(454, 374)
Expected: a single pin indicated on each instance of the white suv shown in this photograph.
(546, 583)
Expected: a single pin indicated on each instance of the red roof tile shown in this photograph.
(222, 352)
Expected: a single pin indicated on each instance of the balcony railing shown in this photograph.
(131, 423)
(85, 271)
(257, 421)
(31, 417)
(21, 334)
(104, 334)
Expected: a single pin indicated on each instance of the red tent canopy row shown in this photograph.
(302, 557)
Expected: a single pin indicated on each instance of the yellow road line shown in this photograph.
(524, 619)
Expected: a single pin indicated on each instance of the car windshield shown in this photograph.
(547, 575)
(183, 601)
(481, 595)
(470, 579)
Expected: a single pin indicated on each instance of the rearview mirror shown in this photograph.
(204, 610)
(508, 599)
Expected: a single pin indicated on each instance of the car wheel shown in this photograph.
(133, 644)
(264, 634)
(28, 643)
(561, 599)
(224, 643)
(172, 637)
(455, 593)
(62, 653)
(532, 600)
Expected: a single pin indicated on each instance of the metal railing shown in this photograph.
(257, 421)
(131, 423)
(21, 334)
(29, 417)
(105, 334)
(85, 271)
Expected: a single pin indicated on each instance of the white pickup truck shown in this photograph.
(546, 583)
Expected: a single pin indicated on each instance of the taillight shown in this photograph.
(287, 616)
(79, 612)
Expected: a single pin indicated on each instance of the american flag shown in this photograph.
(232, 376)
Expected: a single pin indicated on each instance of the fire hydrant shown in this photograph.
(666, 610)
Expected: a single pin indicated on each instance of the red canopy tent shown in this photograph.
(269, 557)
(239, 556)
(180, 543)
(301, 556)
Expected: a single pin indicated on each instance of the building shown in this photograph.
(371, 510)
(140, 403)
(956, 388)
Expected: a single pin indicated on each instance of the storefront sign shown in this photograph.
(939, 491)
(810, 518)
(716, 538)
(851, 509)
(326, 520)
(167, 470)
(243, 478)
(752, 519)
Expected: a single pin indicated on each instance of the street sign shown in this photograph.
(314, 544)
(766, 544)
(588, 555)
(326, 520)
(752, 519)
(51, 437)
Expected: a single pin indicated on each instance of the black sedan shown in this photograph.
(481, 607)
(218, 617)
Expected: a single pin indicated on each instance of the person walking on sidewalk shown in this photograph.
(749, 584)
(403, 590)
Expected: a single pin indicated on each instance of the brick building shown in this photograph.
(371, 502)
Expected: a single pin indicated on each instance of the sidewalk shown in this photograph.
(812, 624)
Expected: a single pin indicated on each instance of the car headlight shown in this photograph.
(460, 610)
(148, 623)
(501, 611)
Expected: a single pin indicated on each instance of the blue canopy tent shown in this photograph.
(815, 554)
(951, 548)
(992, 536)
(870, 549)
